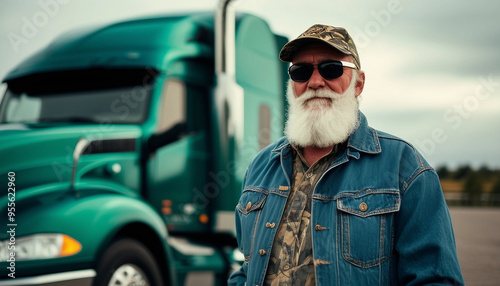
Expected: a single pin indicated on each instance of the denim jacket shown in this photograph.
(378, 215)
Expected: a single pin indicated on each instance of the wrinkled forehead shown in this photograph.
(318, 52)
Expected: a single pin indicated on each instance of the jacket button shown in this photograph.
(249, 205)
(319, 227)
(262, 252)
(270, 225)
(363, 207)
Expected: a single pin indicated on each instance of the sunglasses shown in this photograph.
(302, 72)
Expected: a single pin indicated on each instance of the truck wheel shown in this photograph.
(127, 263)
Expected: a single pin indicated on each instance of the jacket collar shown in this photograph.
(364, 139)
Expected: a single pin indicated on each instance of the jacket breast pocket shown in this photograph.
(249, 209)
(366, 225)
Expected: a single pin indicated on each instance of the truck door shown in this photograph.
(177, 166)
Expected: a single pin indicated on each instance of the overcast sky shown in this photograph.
(432, 67)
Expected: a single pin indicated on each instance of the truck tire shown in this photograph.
(127, 262)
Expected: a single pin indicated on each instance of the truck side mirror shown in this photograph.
(170, 135)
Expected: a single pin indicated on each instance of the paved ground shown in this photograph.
(477, 234)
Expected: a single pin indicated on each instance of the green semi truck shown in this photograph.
(123, 148)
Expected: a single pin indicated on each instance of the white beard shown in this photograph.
(315, 123)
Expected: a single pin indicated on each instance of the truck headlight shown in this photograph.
(39, 246)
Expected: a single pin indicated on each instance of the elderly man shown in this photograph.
(336, 202)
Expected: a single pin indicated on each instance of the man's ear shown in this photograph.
(360, 83)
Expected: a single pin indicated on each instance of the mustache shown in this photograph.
(321, 93)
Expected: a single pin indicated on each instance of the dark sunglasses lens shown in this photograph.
(331, 70)
(300, 73)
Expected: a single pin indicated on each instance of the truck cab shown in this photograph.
(122, 164)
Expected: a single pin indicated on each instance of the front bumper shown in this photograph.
(71, 278)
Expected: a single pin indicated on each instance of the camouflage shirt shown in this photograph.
(291, 261)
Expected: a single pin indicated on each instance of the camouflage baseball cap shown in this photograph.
(337, 37)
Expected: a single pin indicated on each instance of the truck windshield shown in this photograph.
(110, 99)
(120, 105)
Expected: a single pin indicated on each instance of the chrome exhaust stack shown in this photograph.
(228, 95)
(228, 114)
(225, 38)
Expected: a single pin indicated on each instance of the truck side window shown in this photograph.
(264, 126)
(173, 105)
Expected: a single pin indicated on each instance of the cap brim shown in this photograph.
(291, 48)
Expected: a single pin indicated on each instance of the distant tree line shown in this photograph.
(480, 187)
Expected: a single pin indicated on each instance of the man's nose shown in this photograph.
(316, 81)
